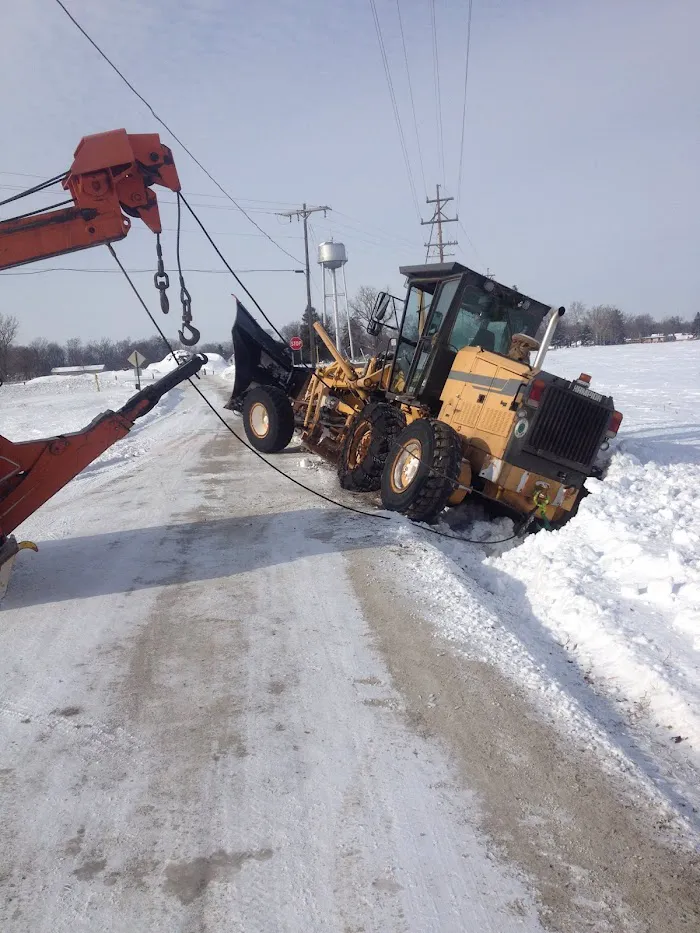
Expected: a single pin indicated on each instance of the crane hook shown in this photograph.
(193, 339)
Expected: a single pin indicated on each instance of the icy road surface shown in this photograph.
(227, 707)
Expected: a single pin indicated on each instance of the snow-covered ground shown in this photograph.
(620, 584)
(177, 567)
(613, 598)
(187, 744)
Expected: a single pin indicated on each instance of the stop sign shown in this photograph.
(296, 343)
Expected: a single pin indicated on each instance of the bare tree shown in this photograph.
(607, 324)
(363, 302)
(575, 313)
(639, 326)
(9, 325)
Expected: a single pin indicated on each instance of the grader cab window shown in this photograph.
(487, 321)
(417, 309)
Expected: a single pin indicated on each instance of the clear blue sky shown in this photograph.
(581, 152)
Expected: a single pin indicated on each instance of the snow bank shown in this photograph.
(619, 586)
(229, 374)
(215, 366)
(168, 364)
(52, 386)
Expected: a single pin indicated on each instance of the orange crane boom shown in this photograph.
(111, 175)
(109, 181)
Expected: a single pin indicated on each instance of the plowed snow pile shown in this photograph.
(620, 583)
(613, 598)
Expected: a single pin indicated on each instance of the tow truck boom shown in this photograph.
(111, 175)
(109, 181)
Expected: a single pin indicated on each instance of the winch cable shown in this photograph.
(40, 210)
(272, 240)
(292, 479)
(221, 256)
(174, 135)
(35, 189)
(318, 377)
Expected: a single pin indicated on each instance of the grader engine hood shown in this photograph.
(258, 358)
(560, 427)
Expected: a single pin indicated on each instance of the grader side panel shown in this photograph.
(479, 399)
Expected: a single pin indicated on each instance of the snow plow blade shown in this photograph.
(258, 358)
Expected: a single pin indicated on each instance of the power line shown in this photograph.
(370, 227)
(438, 96)
(174, 136)
(464, 105)
(189, 194)
(410, 92)
(140, 271)
(471, 243)
(217, 233)
(392, 95)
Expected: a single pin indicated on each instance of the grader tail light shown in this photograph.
(534, 396)
(614, 424)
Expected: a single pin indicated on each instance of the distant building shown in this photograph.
(77, 370)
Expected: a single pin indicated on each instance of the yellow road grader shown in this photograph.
(457, 403)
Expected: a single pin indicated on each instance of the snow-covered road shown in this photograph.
(226, 706)
(192, 716)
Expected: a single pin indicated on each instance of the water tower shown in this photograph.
(331, 257)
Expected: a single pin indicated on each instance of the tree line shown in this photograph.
(599, 325)
(19, 362)
(603, 325)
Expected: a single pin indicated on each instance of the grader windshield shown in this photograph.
(449, 307)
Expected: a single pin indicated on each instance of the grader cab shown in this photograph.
(457, 403)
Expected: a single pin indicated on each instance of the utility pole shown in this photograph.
(438, 219)
(304, 213)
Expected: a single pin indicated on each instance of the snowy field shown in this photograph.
(599, 624)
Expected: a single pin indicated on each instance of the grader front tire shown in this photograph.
(367, 445)
(268, 419)
(422, 470)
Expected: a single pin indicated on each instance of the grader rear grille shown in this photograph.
(568, 427)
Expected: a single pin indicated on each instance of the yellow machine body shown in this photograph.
(480, 401)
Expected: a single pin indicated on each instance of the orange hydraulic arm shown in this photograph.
(31, 472)
(111, 175)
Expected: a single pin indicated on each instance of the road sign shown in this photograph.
(137, 359)
(296, 343)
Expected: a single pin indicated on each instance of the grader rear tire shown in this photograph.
(268, 419)
(367, 445)
(422, 470)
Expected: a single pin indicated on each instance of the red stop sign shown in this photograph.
(296, 343)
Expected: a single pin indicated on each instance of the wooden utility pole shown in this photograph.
(437, 220)
(304, 213)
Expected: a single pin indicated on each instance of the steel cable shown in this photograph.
(292, 479)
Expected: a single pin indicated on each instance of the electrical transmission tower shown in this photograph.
(437, 220)
(304, 213)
